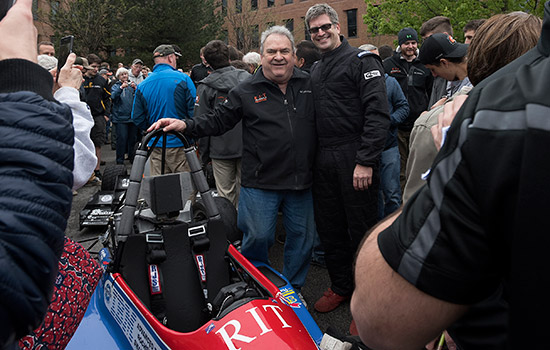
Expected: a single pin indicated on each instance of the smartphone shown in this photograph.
(5, 6)
(65, 48)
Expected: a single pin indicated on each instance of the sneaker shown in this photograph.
(353, 328)
(94, 181)
(97, 174)
(329, 301)
(302, 299)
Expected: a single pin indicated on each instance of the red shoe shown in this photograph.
(353, 328)
(329, 301)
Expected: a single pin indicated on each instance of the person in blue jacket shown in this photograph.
(36, 162)
(122, 94)
(167, 93)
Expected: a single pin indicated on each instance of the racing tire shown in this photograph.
(108, 182)
(228, 214)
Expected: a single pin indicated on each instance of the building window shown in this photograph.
(224, 7)
(34, 9)
(240, 38)
(253, 5)
(307, 36)
(255, 32)
(238, 6)
(352, 23)
(54, 7)
(270, 3)
(289, 1)
(289, 24)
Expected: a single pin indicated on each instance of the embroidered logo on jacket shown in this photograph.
(395, 70)
(372, 74)
(260, 98)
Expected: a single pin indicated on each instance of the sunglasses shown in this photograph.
(324, 27)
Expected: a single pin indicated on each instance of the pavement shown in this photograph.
(317, 280)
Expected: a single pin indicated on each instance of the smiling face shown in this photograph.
(278, 58)
(123, 76)
(408, 49)
(325, 40)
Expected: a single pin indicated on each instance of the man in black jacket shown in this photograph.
(276, 109)
(352, 118)
(36, 162)
(416, 82)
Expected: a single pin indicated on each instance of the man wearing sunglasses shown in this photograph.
(352, 119)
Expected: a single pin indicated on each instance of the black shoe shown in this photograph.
(97, 174)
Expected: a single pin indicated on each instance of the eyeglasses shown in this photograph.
(324, 27)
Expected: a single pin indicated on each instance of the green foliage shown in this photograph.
(390, 16)
(137, 26)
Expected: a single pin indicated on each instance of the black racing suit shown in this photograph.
(352, 117)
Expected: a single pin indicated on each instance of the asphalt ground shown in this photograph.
(317, 280)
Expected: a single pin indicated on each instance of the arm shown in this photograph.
(395, 314)
(140, 114)
(374, 101)
(116, 91)
(184, 98)
(35, 197)
(398, 101)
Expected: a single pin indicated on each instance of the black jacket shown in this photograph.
(351, 102)
(416, 81)
(98, 95)
(212, 91)
(36, 162)
(278, 130)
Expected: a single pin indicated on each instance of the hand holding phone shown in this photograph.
(65, 48)
(17, 31)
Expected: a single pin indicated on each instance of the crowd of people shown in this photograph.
(431, 222)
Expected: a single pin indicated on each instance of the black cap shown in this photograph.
(441, 45)
(407, 34)
(165, 50)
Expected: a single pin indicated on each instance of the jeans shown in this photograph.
(125, 140)
(389, 196)
(258, 212)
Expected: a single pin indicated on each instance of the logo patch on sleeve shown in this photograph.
(372, 74)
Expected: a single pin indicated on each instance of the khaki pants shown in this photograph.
(175, 162)
(227, 173)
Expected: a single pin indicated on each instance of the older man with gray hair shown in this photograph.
(276, 109)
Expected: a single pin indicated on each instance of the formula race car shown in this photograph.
(174, 277)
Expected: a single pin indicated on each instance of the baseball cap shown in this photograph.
(407, 34)
(82, 61)
(165, 50)
(441, 45)
(105, 71)
(137, 61)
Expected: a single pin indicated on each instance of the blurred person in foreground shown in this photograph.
(479, 224)
(36, 163)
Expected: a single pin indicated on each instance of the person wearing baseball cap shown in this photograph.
(445, 57)
(167, 93)
(135, 76)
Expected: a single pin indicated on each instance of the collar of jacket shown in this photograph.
(344, 45)
(259, 78)
(162, 66)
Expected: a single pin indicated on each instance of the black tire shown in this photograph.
(108, 182)
(228, 214)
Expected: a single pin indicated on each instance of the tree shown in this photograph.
(137, 26)
(87, 20)
(390, 16)
(244, 23)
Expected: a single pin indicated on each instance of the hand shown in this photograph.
(446, 118)
(168, 124)
(441, 102)
(124, 85)
(133, 85)
(69, 76)
(362, 177)
(18, 33)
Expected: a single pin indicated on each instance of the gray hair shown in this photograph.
(277, 30)
(120, 71)
(252, 58)
(321, 9)
(367, 47)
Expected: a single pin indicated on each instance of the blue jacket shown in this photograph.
(399, 109)
(36, 162)
(123, 99)
(166, 93)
